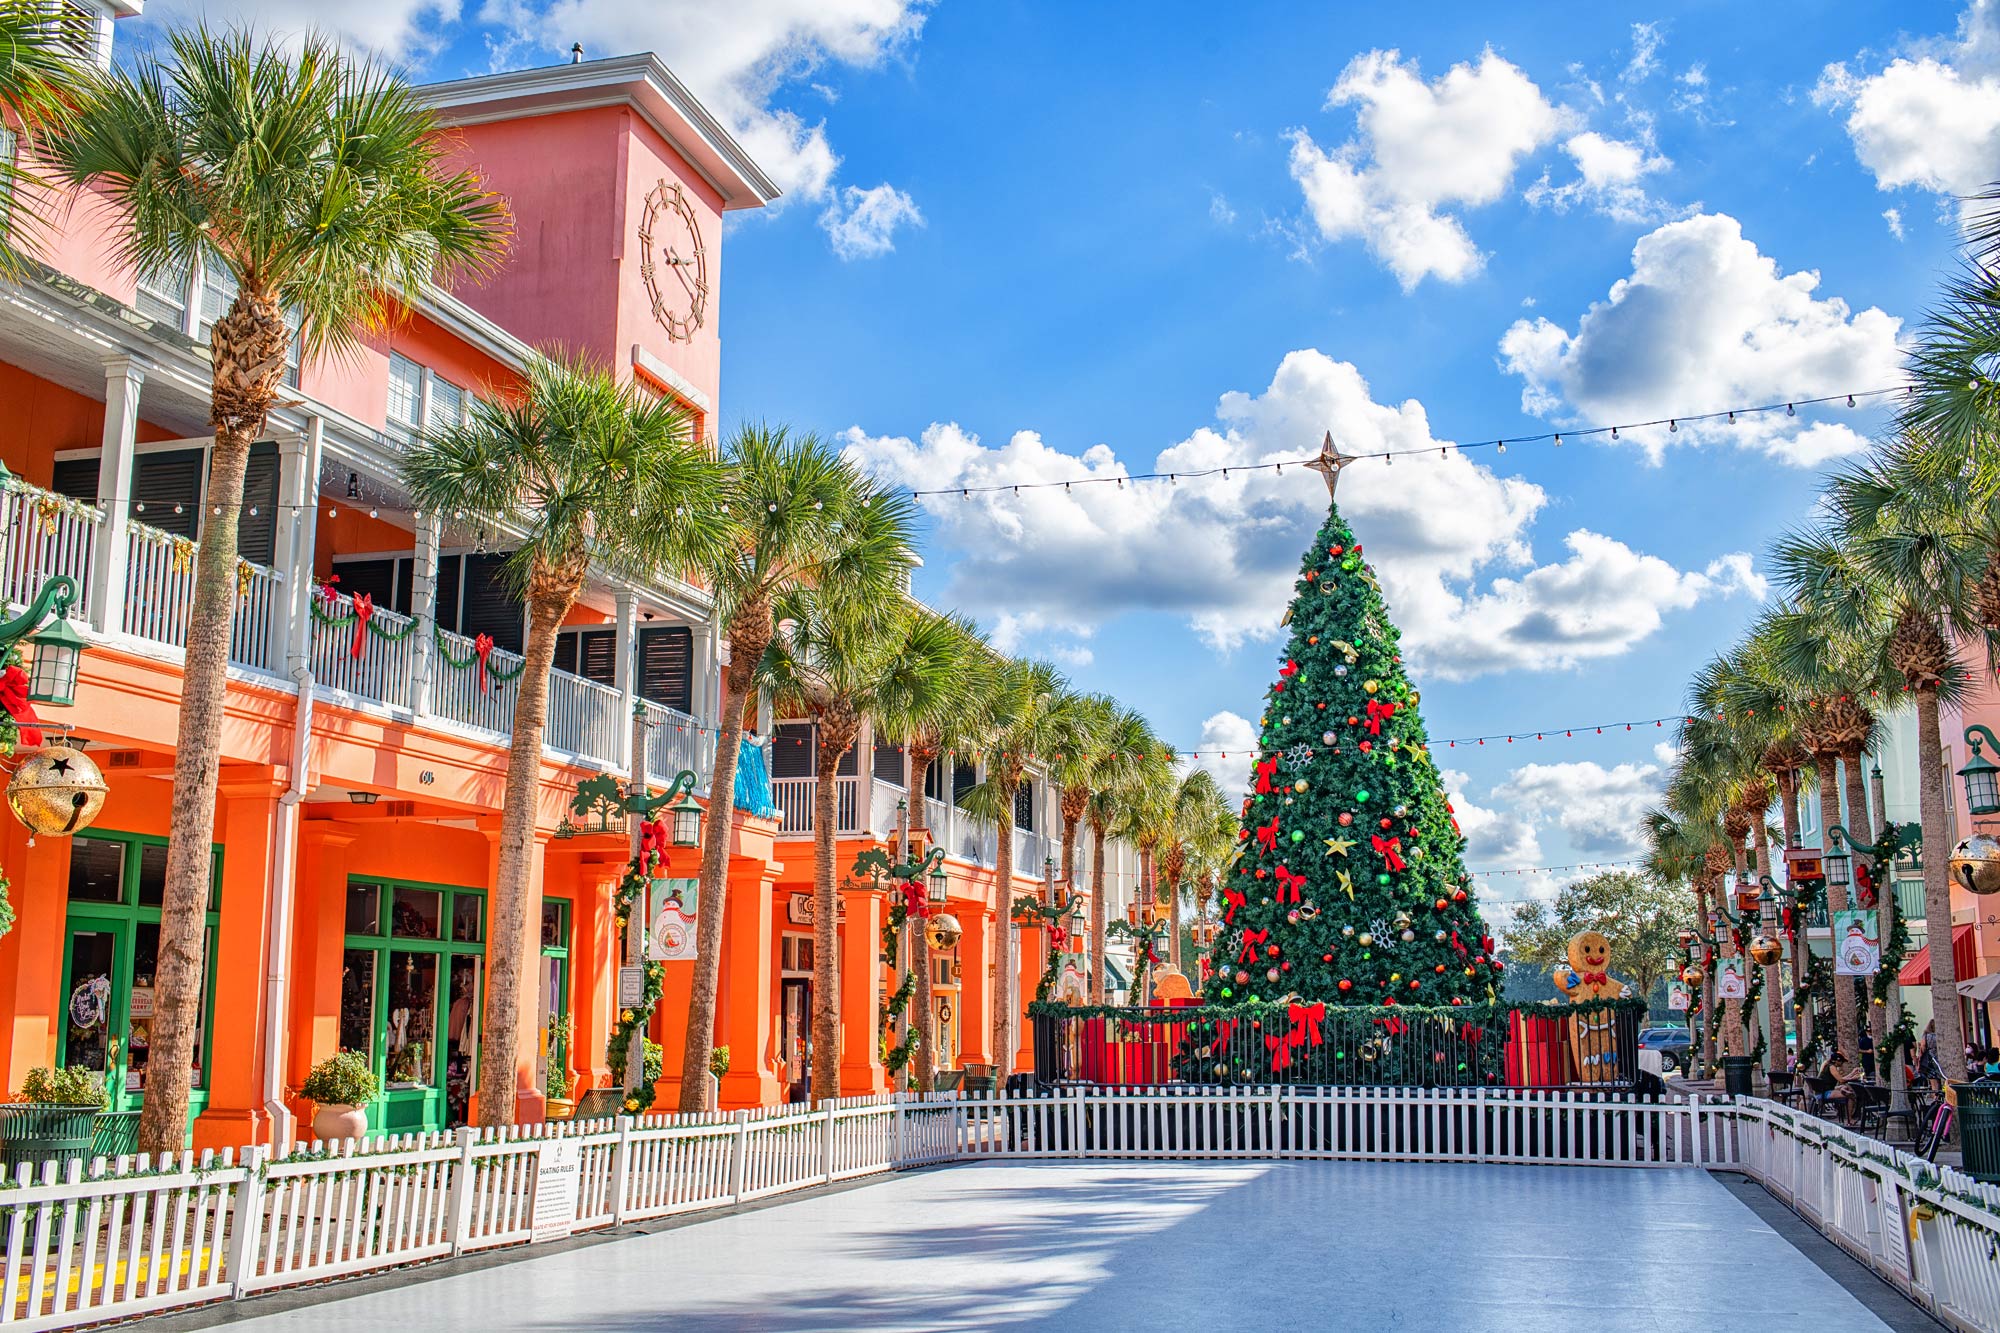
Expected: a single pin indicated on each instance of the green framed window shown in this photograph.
(554, 986)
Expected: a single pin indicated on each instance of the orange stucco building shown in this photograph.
(361, 773)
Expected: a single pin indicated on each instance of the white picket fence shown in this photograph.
(1930, 1231)
(129, 1236)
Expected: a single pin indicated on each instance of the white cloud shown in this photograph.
(1931, 117)
(1609, 176)
(1894, 217)
(1449, 537)
(1493, 840)
(1227, 742)
(1219, 210)
(1598, 809)
(405, 30)
(862, 223)
(1421, 148)
(1706, 323)
(1646, 43)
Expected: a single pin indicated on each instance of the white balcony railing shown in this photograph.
(675, 742)
(585, 718)
(47, 535)
(382, 671)
(159, 593)
(794, 799)
(457, 695)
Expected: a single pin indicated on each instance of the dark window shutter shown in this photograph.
(964, 777)
(936, 776)
(1024, 808)
(666, 666)
(596, 649)
(850, 763)
(888, 762)
(377, 578)
(76, 478)
(792, 750)
(449, 569)
(490, 606)
(162, 480)
(257, 523)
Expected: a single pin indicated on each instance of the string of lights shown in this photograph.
(1550, 870)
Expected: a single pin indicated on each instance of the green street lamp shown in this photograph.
(1838, 864)
(1980, 774)
(940, 884)
(58, 647)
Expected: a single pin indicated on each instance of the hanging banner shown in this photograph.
(1677, 997)
(1857, 943)
(670, 919)
(1729, 981)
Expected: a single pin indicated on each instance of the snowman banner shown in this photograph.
(1857, 946)
(1729, 982)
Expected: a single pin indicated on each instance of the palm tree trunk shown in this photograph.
(1936, 816)
(1846, 1019)
(1774, 998)
(1069, 827)
(1710, 1023)
(834, 742)
(1788, 809)
(1100, 914)
(512, 918)
(1863, 829)
(1004, 978)
(1174, 924)
(177, 977)
(925, 1058)
(1734, 1029)
(749, 632)
(1144, 896)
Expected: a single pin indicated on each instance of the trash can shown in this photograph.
(1736, 1072)
(36, 1133)
(1979, 1129)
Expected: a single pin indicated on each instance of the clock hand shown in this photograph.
(679, 266)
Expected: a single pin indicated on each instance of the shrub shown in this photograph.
(71, 1085)
(718, 1061)
(343, 1079)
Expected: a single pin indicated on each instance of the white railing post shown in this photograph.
(1076, 1123)
(621, 1169)
(625, 616)
(464, 1190)
(1271, 1117)
(116, 466)
(826, 1140)
(423, 606)
(897, 1150)
(739, 1157)
(247, 1222)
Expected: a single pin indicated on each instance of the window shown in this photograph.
(409, 1002)
(406, 387)
(590, 653)
(666, 666)
(792, 750)
(888, 763)
(1024, 807)
(164, 296)
(448, 403)
(963, 778)
(488, 604)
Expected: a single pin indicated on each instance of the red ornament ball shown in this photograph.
(1439, 969)
(1333, 550)
(1242, 978)
(1366, 746)
(1271, 950)
(1345, 984)
(1326, 958)
(1440, 904)
(1414, 983)
(1388, 824)
(1287, 965)
(1458, 895)
(1346, 818)
(1353, 721)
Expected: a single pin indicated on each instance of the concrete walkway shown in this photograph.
(1113, 1246)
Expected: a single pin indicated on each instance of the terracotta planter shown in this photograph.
(338, 1120)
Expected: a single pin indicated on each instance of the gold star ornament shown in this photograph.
(1338, 846)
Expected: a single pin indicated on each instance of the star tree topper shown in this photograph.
(1330, 462)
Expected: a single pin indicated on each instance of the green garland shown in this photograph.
(1893, 950)
(470, 660)
(631, 892)
(1409, 1013)
(324, 617)
(897, 1056)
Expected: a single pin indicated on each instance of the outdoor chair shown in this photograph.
(1783, 1086)
(1817, 1087)
(1871, 1109)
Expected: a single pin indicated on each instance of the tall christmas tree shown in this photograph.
(1349, 888)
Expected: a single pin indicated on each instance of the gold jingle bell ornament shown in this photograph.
(1691, 975)
(1764, 950)
(56, 791)
(943, 931)
(1975, 864)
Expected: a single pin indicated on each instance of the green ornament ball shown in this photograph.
(1361, 796)
(1388, 761)
(1384, 878)
(1298, 836)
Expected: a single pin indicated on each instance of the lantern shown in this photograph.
(1837, 863)
(1981, 777)
(52, 676)
(937, 887)
(57, 791)
(687, 822)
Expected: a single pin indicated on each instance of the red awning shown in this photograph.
(1964, 959)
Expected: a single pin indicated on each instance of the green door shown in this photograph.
(410, 995)
(95, 986)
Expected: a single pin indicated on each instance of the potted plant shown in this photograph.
(53, 1118)
(341, 1086)
(557, 1083)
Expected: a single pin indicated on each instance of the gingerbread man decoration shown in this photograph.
(1593, 1038)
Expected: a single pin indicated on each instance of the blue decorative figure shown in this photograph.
(753, 780)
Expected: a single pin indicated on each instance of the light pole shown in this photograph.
(1877, 859)
(51, 678)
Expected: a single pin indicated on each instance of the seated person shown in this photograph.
(1989, 1065)
(1846, 1092)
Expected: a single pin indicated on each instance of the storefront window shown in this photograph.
(412, 1020)
(96, 871)
(468, 915)
(416, 914)
(152, 874)
(364, 908)
(410, 997)
(357, 1001)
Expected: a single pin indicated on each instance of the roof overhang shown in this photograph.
(639, 81)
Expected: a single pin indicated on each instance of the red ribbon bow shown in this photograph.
(652, 841)
(1289, 668)
(1306, 1020)
(364, 611)
(1596, 978)
(1289, 883)
(1267, 835)
(1469, 1034)
(1391, 851)
(1225, 1028)
(482, 648)
(1378, 713)
(14, 698)
(1266, 770)
(1059, 937)
(1251, 939)
(1395, 1027)
(1281, 1052)
(1233, 899)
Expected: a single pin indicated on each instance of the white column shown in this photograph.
(624, 678)
(864, 783)
(298, 534)
(123, 377)
(423, 605)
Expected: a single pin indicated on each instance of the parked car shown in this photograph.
(1673, 1044)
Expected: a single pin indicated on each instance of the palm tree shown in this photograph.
(597, 472)
(1028, 717)
(1199, 830)
(940, 710)
(1148, 815)
(1129, 746)
(321, 183)
(840, 662)
(42, 80)
(1719, 781)
(1899, 558)
(801, 516)
(1073, 765)
(1677, 852)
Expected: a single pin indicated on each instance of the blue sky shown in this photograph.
(1028, 242)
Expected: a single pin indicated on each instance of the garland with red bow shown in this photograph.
(478, 661)
(360, 615)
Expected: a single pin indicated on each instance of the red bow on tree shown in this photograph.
(1395, 1027)
(14, 698)
(1225, 1028)
(1281, 1052)
(1266, 770)
(1458, 947)
(1267, 835)
(482, 648)
(1232, 899)
(1059, 937)
(1306, 1020)
(652, 841)
(1378, 713)
(1288, 668)
(1391, 851)
(364, 611)
(1469, 1034)
(916, 902)
(1251, 939)
(1289, 883)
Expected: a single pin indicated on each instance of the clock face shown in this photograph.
(673, 261)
